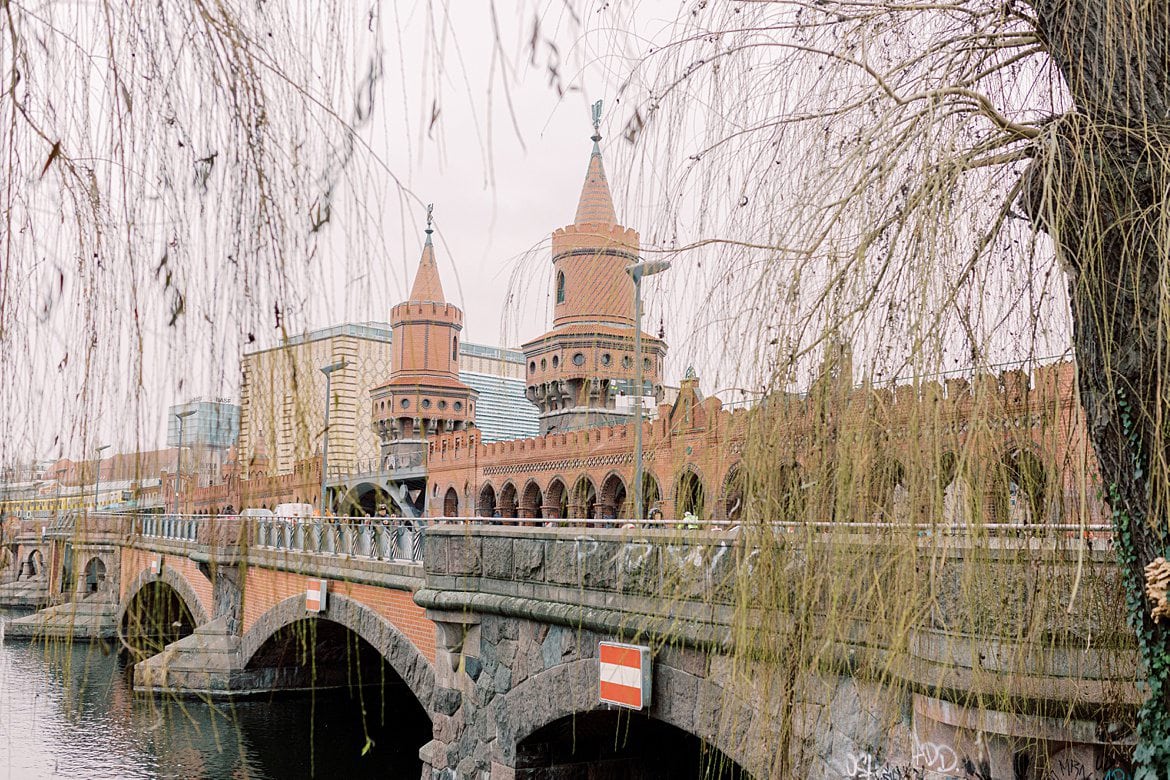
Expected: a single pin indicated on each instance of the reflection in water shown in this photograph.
(68, 710)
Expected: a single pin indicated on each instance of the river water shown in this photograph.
(68, 710)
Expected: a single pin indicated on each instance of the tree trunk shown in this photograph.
(1099, 187)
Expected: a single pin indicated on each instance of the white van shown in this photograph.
(255, 512)
(295, 510)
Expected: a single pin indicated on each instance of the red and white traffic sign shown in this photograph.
(625, 674)
(315, 595)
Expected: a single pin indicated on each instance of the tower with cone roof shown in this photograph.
(580, 372)
(424, 395)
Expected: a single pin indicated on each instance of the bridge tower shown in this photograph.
(579, 372)
(424, 396)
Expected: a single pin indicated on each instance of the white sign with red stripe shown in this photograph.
(156, 565)
(625, 674)
(315, 595)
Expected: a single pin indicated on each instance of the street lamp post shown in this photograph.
(636, 272)
(179, 455)
(328, 372)
(97, 479)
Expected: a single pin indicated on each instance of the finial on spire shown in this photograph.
(596, 125)
(430, 210)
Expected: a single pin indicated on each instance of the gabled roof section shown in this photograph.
(427, 286)
(596, 203)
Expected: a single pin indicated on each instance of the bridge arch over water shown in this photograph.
(151, 607)
(379, 633)
(556, 721)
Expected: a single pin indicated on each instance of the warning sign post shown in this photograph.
(624, 674)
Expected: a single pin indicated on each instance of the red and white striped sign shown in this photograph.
(156, 565)
(625, 674)
(315, 595)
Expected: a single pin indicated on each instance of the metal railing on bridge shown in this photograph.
(179, 528)
(387, 539)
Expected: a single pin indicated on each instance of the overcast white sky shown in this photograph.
(481, 108)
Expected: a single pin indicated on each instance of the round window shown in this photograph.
(459, 406)
(543, 364)
(442, 404)
(606, 359)
(579, 359)
(646, 363)
(405, 403)
(426, 403)
(626, 362)
(532, 367)
(556, 361)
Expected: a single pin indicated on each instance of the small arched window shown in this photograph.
(454, 347)
(560, 287)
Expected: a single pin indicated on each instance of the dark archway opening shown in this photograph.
(451, 503)
(362, 714)
(155, 617)
(95, 575)
(556, 500)
(363, 501)
(651, 495)
(619, 745)
(690, 495)
(614, 502)
(584, 504)
(532, 501)
(486, 504)
(508, 501)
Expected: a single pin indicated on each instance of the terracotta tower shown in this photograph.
(580, 373)
(424, 395)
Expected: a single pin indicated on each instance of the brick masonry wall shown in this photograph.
(136, 561)
(265, 588)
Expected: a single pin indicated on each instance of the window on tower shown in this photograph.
(454, 347)
(560, 287)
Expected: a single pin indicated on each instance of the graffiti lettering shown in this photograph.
(936, 758)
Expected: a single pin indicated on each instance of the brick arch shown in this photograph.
(402, 655)
(486, 500)
(729, 503)
(614, 497)
(450, 502)
(571, 689)
(691, 493)
(508, 500)
(531, 500)
(173, 578)
(583, 499)
(556, 497)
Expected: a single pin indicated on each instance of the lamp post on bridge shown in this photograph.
(328, 372)
(97, 477)
(636, 272)
(179, 456)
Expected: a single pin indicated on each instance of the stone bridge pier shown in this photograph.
(520, 613)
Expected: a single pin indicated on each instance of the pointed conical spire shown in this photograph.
(596, 204)
(427, 286)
